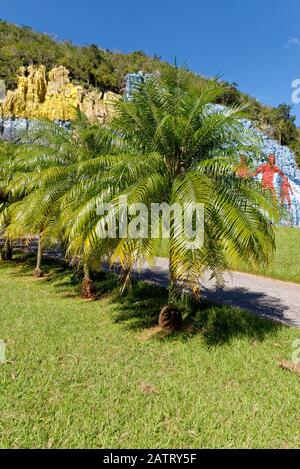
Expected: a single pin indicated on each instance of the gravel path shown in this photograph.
(273, 299)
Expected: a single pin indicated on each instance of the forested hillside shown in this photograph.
(88, 65)
(92, 66)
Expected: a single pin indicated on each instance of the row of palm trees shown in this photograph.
(167, 144)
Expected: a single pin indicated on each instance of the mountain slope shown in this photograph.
(91, 66)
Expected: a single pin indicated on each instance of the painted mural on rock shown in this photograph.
(286, 181)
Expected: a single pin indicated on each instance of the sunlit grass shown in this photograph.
(101, 374)
(286, 262)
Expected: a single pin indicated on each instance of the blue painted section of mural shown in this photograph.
(132, 81)
(12, 128)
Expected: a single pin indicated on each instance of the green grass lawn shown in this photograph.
(286, 262)
(100, 374)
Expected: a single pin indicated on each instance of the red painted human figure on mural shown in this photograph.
(268, 171)
(286, 192)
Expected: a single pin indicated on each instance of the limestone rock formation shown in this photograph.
(52, 95)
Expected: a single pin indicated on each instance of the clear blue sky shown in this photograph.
(255, 43)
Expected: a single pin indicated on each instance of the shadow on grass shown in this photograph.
(216, 323)
(59, 275)
(139, 310)
(56, 273)
(220, 324)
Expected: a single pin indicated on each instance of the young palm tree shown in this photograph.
(7, 250)
(175, 147)
(44, 169)
(6, 154)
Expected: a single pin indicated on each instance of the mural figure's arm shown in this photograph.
(260, 169)
(278, 170)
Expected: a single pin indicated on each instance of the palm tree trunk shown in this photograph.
(7, 251)
(126, 280)
(172, 283)
(170, 317)
(88, 288)
(38, 271)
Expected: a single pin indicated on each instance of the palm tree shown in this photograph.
(6, 154)
(175, 147)
(44, 169)
(7, 250)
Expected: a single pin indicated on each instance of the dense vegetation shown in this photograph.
(93, 66)
(88, 65)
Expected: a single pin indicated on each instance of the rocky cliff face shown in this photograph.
(52, 95)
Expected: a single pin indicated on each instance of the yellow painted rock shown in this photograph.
(54, 96)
